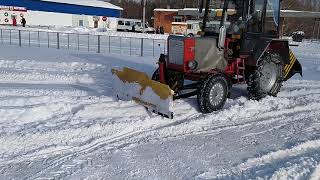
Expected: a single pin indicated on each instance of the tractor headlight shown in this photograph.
(193, 65)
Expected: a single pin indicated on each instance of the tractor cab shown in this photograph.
(246, 16)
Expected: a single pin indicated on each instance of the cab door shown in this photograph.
(262, 21)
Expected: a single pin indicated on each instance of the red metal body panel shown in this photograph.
(188, 55)
(162, 72)
(234, 69)
(189, 52)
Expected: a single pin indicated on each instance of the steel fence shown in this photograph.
(131, 46)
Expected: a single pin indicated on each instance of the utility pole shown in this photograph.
(144, 16)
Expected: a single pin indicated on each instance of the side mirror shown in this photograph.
(222, 36)
(223, 30)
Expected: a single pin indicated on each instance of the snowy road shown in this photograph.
(58, 120)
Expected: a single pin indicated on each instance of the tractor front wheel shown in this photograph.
(212, 94)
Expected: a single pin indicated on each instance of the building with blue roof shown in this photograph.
(87, 13)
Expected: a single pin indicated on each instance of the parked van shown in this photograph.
(132, 25)
(127, 24)
(194, 27)
(147, 28)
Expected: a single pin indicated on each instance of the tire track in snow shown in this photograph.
(135, 137)
(316, 173)
(44, 78)
(296, 162)
(66, 67)
(296, 168)
(130, 135)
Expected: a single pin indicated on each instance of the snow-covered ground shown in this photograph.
(58, 119)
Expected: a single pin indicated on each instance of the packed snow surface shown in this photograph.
(60, 120)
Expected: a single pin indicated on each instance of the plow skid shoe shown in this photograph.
(132, 85)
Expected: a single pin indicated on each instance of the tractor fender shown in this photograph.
(291, 65)
(292, 68)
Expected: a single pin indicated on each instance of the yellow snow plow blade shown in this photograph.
(129, 84)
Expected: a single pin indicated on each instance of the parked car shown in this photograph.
(298, 36)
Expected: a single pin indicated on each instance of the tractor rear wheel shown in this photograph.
(212, 94)
(267, 79)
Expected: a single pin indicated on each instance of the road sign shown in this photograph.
(104, 18)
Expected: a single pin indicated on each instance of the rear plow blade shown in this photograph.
(129, 84)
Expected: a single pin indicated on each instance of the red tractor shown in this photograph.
(244, 49)
(249, 51)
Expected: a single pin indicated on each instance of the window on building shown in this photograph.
(120, 23)
(81, 23)
(178, 19)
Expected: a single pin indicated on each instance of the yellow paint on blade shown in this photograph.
(128, 75)
(288, 67)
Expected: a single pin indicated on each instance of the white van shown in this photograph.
(132, 25)
(194, 27)
(147, 28)
(127, 24)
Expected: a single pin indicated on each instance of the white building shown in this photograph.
(87, 13)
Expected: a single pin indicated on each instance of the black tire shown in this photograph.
(262, 83)
(215, 87)
(156, 75)
(190, 35)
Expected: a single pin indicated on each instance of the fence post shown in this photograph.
(318, 29)
(78, 42)
(19, 38)
(10, 36)
(153, 47)
(120, 45)
(109, 45)
(141, 47)
(130, 45)
(39, 38)
(48, 39)
(99, 50)
(88, 42)
(58, 40)
(68, 40)
(29, 39)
